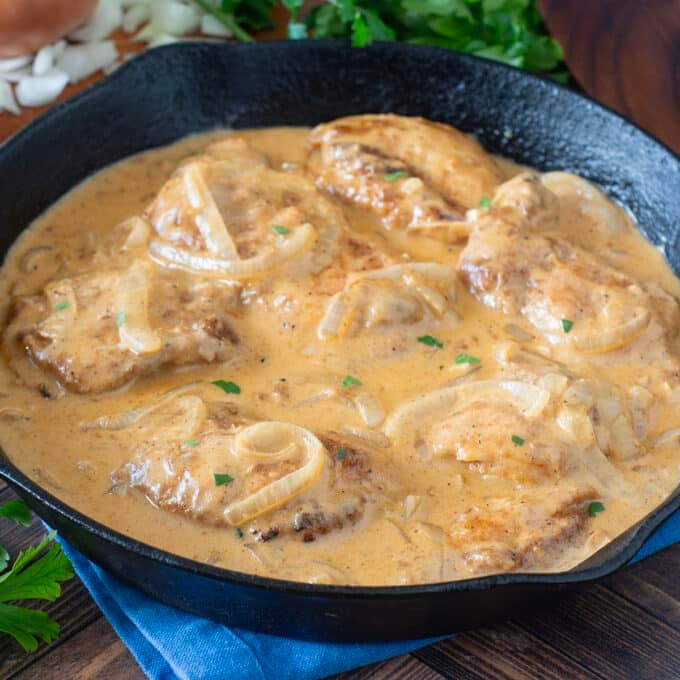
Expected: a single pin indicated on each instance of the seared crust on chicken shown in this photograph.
(419, 176)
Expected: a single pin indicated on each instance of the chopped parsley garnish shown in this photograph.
(342, 453)
(484, 203)
(191, 442)
(567, 325)
(350, 380)
(16, 511)
(466, 359)
(517, 441)
(430, 341)
(594, 508)
(278, 229)
(120, 319)
(394, 176)
(60, 305)
(227, 386)
(221, 479)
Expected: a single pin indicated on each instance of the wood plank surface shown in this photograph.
(628, 626)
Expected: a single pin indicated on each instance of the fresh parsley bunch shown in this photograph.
(510, 31)
(35, 575)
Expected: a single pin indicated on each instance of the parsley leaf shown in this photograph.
(594, 508)
(484, 203)
(567, 325)
(517, 441)
(342, 454)
(191, 442)
(466, 359)
(227, 386)
(350, 380)
(17, 511)
(394, 176)
(120, 319)
(221, 479)
(430, 341)
(61, 305)
(278, 229)
(35, 575)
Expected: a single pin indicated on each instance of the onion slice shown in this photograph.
(410, 416)
(280, 491)
(284, 249)
(208, 219)
(369, 408)
(612, 338)
(133, 306)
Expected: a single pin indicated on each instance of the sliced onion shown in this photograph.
(208, 220)
(332, 318)
(622, 438)
(518, 333)
(14, 63)
(588, 199)
(555, 383)
(263, 443)
(369, 408)
(529, 399)
(641, 401)
(41, 90)
(301, 240)
(139, 233)
(612, 338)
(7, 101)
(174, 18)
(105, 19)
(43, 61)
(453, 231)
(369, 436)
(121, 421)
(133, 301)
(16, 76)
(668, 437)
(280, 491)
(135, 16)
(212, 26)
(61, 316)
(81, 61)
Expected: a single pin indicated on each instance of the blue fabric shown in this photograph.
(169, 643)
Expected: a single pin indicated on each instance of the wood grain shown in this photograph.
(626, 54)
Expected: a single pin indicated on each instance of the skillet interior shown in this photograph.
(527, 119)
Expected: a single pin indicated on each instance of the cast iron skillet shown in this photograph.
(172, 91)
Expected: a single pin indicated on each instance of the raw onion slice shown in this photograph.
(135, 16)
(280, 491)
(13, 64)
(133, 302)
(410, 416)
(283, 249)
(105, 19)
(81, 61)
(208, 219)
(213, 27)
(41, 90)
(610, 339)
(44, 61)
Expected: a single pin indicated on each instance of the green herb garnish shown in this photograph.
(221, 479)
(567, 325)
(227, 386)
(430, 341)
(35, 575)
(484, 203)
(120, 319)
(191, 442)
(594, 508)
(394, 176)
(61, 305)
(350, 380)
(342, 453)
(278, 229)
(466, 359)
(517, 441)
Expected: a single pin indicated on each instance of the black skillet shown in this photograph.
(172, 91)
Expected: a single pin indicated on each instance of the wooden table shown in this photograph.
(627, 626)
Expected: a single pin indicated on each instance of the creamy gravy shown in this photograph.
(434, 481)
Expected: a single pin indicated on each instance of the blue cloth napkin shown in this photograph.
(170, 644)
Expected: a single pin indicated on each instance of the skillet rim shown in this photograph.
(631, 540)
